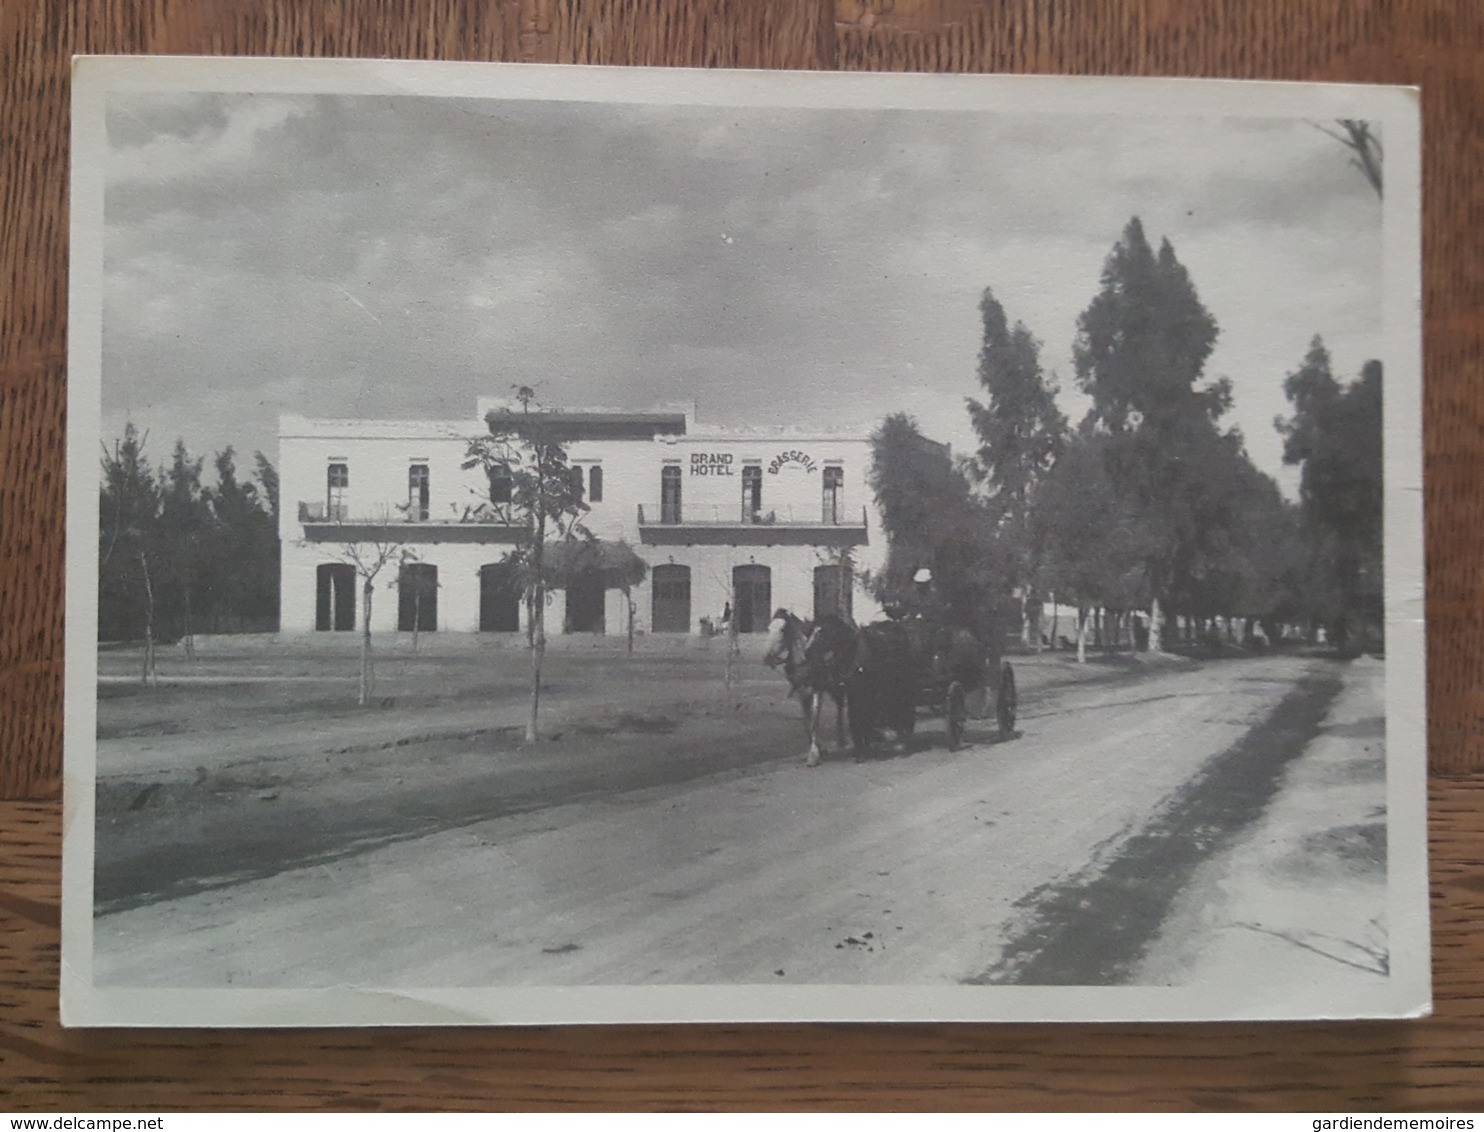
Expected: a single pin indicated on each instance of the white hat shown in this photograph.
(923, 576)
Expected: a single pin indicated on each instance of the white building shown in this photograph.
(756, 518)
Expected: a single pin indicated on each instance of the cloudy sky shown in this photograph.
(398, 257)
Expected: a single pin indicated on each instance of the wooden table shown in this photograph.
(1436, 1063)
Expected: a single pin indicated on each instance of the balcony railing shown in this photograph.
(719, 515)
(319, 513)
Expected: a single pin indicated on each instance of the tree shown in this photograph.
(184, 519)
(933, 520)
(1335, 436)
(229, 503)
(210, 554)
(624, 569)
(527, 448)
(1237, 513)
(369, 560)
(1093, 537)
(1275, 572)
(1021, 432)
(1141, 347)
(242, 547)
(266, 550)
(267, 478)
(1313, 392)
(128, 545)
(1020, 429)
(1359, 139)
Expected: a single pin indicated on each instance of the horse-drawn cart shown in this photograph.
(961, 678)
(884, 674)
(917, 666)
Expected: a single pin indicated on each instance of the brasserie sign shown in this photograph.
(792, 458)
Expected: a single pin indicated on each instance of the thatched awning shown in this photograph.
(614, 560)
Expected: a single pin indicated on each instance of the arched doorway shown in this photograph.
(335, 597)
(753, 587)
(499, 599)
(585, 603)
(671, 589)
(417, 598)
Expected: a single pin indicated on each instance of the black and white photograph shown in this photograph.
(567, 544)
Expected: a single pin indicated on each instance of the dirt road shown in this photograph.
(675, 846)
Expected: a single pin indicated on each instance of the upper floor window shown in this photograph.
(834, 493)
(417, 492)
(502, 484)
(752, 493)
(670, 494)
(337, 492)
(595, 484)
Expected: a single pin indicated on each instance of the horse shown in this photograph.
(816, 657)
(881, 686)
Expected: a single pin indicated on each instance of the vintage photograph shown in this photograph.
(570, 544)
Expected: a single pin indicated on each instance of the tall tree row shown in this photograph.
(1141, 348)
(1150, 511)
(177, 556)
(1156, 506)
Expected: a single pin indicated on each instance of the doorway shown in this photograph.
(585, 603)
(671, 588)
(499, 599)
(417, 598)
(335, 597)
(753, 587)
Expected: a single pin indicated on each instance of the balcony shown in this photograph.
(472, 523)
(717, 525)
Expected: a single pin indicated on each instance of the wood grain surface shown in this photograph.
(1437, 1063)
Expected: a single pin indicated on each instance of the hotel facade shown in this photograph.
(727, 522)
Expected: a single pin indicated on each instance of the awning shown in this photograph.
(615, 560)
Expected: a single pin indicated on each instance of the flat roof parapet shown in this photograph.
(294, 427)
(587, 424)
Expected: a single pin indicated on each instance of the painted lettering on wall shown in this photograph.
(711, 464)
(792, 458)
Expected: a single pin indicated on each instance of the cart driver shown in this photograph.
(920, 604)
(925, 602)
(927, 614)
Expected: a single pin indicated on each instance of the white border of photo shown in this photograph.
(1406, 990)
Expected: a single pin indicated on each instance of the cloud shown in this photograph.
(161, 139)
(384, 256)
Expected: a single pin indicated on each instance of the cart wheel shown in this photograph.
(956, 709)
(1005, 701)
